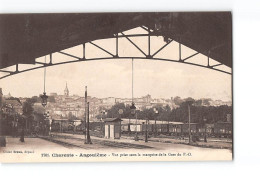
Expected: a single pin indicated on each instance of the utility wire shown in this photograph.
(44, 73)
(132, 80)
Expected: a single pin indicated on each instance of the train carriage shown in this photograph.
(219, 129)
(223, 129)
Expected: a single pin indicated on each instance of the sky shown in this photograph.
(113, 78)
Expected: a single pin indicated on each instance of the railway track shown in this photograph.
(71, 141)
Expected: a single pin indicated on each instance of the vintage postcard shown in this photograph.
(96, 87)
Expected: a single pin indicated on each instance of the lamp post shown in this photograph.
(15, 124)
(11, 113)
(2, 119)
(155, 126)
(120, 111)
(146, 135)
(205, 133)
(22, 125)
(136, 133)
(133, 108)
(45, 119)
(133, 112)
(103, 113)
(129, 123)
(168, 125)
(189, 104)
(44, 97)
(48, 120)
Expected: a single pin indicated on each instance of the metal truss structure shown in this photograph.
(129, 37)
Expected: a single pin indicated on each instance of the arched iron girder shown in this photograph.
(116, 56)
(107, 58)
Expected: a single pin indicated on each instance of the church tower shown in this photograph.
(66, 91)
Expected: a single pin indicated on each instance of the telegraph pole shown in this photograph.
(146, 131)
(189, 124)
(85, 119)
(87, 135)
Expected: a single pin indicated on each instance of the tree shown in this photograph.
(189, 100)
(114, 111)
(180, 114)
(146, 114)
(38, 109)
(198, 102)
(28, 111)
(27, 108)
(177, 100)
(166, 113)
(36, 99)
(51, 99)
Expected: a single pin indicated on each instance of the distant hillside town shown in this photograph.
(73, 106)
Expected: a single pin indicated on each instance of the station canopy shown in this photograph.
(24, 37)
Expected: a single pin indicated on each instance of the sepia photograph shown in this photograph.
(95, 87)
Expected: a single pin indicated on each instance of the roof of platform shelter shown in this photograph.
(24, 37)
(112, 120)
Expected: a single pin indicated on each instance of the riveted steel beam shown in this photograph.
(149, 56)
